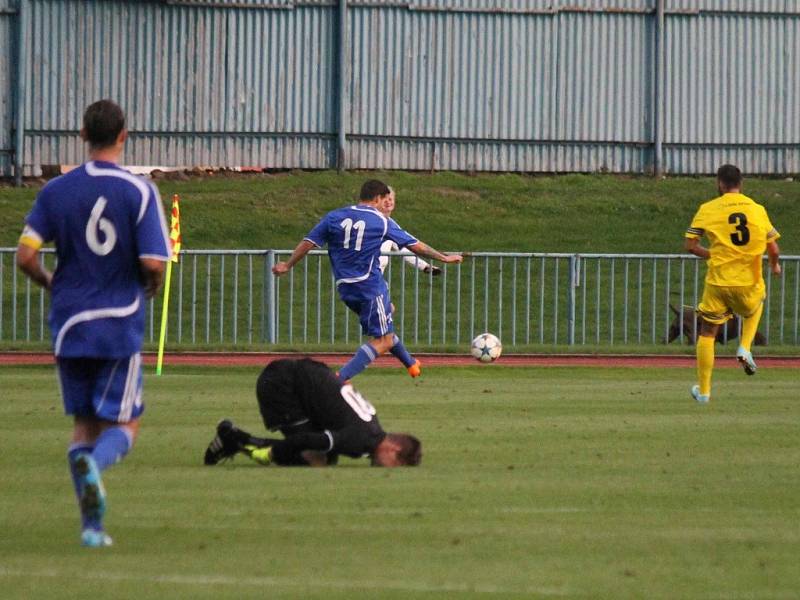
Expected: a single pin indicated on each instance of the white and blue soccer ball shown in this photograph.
(486, 347)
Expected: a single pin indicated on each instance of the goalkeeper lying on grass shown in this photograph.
(319, 417)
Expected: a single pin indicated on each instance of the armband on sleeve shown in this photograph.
(30, 238)
(694, 232)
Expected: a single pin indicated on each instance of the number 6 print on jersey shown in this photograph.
(96, 224)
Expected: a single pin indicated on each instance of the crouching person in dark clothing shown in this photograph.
(320, 418)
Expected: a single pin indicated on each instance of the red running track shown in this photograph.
(429, 360)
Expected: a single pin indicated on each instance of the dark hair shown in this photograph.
(372, 189)
(103, 121)
(410, 453)
(729, 177)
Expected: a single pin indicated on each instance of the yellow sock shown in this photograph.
(749, 327)
(262, 456)
(705, 363)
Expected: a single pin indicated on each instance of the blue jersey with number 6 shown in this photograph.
(354, 235)
(102, 220)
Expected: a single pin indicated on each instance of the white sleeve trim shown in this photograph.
(160, 257)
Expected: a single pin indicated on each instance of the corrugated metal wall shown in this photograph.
(7, 35)
(733, 92)
(501, 85)
(201, 86)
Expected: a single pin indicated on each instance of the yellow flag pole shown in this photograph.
(164, 311)
(175, 242)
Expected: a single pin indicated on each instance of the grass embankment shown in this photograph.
(576, 483)
(514, 213)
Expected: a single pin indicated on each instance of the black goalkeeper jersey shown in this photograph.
(304, 395)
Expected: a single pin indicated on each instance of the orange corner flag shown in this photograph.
(175, 228)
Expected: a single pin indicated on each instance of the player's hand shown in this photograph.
(452, 258)
(776, 269)
(150, 289)
(435, 271)
(281, 268)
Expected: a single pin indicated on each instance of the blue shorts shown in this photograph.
(107, 389)
(375, 315)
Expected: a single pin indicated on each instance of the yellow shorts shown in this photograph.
(720, 303)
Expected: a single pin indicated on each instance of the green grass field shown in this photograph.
(582, 483)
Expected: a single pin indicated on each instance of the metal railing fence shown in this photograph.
(230, 297)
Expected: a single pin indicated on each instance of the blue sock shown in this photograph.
(399, 351)
(112, 445)
(360, 361)
(73, 451)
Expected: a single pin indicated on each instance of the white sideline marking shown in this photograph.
(223, 580)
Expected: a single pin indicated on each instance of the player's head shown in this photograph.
(373, 191)
(104, 125)
(398, 450)
(729, 178)
(387, 203)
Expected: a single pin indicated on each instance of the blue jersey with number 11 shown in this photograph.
(354, 235)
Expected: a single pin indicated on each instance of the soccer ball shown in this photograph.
(486, 347)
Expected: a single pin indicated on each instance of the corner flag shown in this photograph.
(175, 228)
(175, 241)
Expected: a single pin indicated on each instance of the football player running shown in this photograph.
(111, 241)
(354, 235)
(739, 232)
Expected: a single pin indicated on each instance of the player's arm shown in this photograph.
(405, 240)
(28, 262)
(36, 232)
(693, 234)
(152, 242)
(774, 254)
(422, 249)
(692, 246)
(152, 271)
(420, 264)
(303, 248)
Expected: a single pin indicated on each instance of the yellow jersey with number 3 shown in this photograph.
(738, 230)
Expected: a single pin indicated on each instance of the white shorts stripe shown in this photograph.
(123, 403)
(376, 303)
(382, 314)
(131, 389)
